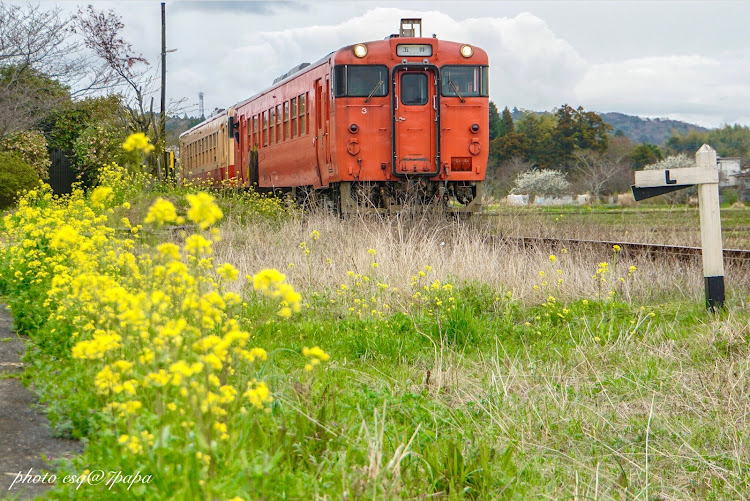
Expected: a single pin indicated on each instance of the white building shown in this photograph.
(729, 168)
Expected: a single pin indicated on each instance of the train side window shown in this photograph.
(301, 110)
(213, 140)
(271, 125)
(293, 115)
(255, 131)
(265, 128)
(304, 113)
(286, 120)
(413, 88)
(278, 123)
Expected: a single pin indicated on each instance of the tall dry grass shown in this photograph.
(657, 414)
(457, 251)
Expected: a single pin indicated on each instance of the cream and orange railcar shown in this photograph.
(207, 150)
(371, 126)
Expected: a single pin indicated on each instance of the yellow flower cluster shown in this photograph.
(139, 142)
(203, 210)
(161, 212)
(271, 283)
(316, 355)
(151, 326)
(100, 195)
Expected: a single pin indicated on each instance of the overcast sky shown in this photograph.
(684, 60)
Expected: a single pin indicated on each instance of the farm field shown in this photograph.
(679, 225)
(233, 348)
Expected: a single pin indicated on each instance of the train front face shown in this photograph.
(412, 112)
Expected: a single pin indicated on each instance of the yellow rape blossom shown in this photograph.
(258, 394)
(138, 141)
(228, 272)
(161, 212)
(203, 210)
(100, 195)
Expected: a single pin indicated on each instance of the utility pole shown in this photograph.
(163, 117)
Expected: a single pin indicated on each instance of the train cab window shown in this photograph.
(413, 88)
(360, 80)
(465, 81)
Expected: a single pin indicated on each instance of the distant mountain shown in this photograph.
(647, 130)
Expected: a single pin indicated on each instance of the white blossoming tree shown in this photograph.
(680, 161)
(545, 182)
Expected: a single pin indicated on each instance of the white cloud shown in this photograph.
(531, 66)
(224, 54)
(710, 89)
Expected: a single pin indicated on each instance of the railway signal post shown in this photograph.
(650, 183)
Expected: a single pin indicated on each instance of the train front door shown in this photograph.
(415, 141)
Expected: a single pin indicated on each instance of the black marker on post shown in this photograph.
(650, 183)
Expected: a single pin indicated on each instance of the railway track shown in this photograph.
(627, 249)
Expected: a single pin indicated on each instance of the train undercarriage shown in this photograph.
(361, 197)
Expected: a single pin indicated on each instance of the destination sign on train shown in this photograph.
(413, 49)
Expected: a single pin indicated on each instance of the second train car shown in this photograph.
(370, 127)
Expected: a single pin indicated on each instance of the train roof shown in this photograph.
(293, 73)
(221, 114)
(303, 68)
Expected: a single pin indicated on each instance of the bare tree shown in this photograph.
(101, 33)
(42, 65)
(33, 46)
(596, 170)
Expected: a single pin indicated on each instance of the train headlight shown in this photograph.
(474, 128)
(360, 50)
(467, 50)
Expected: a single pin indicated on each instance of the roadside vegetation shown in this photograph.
(234, 348)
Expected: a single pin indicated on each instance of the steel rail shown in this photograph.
(627, 248)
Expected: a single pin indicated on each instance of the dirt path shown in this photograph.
(24, 431)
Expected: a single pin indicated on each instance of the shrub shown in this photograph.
(32, 148)
(96, 147)
(15, 175)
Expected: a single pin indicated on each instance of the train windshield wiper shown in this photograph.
(455, 89)
(373, 91)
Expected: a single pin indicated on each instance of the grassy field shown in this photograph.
(459, 368)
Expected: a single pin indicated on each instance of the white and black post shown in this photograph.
(713, 258)
(650, 183)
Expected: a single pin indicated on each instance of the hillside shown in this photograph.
(646, 130)
(176, 126)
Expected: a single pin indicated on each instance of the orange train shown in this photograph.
(370, 127)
